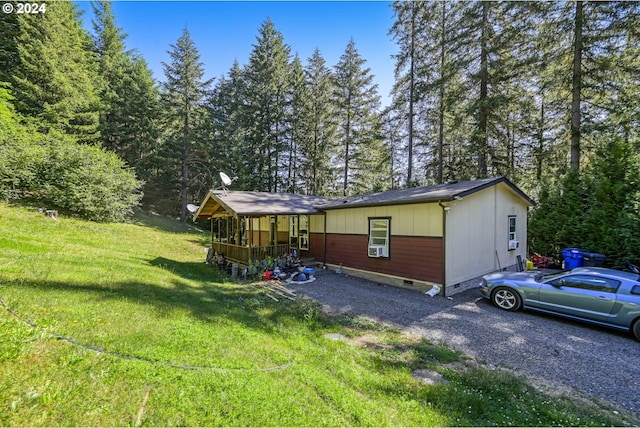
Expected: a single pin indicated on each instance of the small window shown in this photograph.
(512, 228)
(379, 237)
(636, 290)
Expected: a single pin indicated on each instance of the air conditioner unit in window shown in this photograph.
(378, 251)
(513, 244)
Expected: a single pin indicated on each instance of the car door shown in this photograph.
(580, 295)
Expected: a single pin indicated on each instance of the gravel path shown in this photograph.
(550, 351)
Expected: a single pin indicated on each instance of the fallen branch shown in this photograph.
(141, 411)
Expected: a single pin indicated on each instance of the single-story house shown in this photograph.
(447, 235)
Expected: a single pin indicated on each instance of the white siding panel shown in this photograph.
(477, 234)
(509, 204)
(470, 236)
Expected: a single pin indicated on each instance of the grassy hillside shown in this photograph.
(123, 324)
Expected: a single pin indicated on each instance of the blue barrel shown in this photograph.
(573, 257)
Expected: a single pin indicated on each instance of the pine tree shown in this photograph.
(55, 79)
(321, 125)
(109, 49)
(267, 87)
(298, 119)
(128, 118)
(227, 131)
(9, 57)
(576, 86)
(183, 96)
(406, 30)
(359, 123)
(431, 88)
(135, 116)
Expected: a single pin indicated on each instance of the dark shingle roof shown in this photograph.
(257, 204)
(439, 192)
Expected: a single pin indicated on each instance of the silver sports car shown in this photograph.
(606, 297)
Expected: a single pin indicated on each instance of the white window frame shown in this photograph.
(513, 236)
(374, 228)
(512, 227)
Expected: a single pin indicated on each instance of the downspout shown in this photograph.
(444, 248)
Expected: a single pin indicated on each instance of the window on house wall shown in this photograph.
(303, 232)
(293, 231)
(379, 237)
(513, 237)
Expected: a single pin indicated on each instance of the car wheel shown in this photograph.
(636, 329)
(507, 299)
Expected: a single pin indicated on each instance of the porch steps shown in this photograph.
(310, 262)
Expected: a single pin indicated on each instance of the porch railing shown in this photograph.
(242, 254)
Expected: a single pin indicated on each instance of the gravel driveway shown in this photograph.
(597, 362)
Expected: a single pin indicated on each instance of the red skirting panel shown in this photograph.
(412, 257)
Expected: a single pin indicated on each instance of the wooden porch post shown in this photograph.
(275, 235)
(212, 220)
(238, 231)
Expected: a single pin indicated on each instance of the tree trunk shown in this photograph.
(185, 165)
(441, 96)
(540, 142)
(483, 105)
(411, 93)
(346, 155)
(576, 90)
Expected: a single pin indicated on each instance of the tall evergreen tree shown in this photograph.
(182, 95)
(267, 88)
(359, 123)
(321, 126)
(110, 51)
(9, 57)
(406, 30)
(55, 78)
(227, 151)
(128, 117)
(576, 86)
(298, 110)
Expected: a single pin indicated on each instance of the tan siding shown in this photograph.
(316, 223)
(407, 220)
(410, 257)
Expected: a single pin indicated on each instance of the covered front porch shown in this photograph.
(242, 238)
(248, 226)
(244, 254)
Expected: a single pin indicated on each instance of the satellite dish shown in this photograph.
(192, 208)
(225, 179)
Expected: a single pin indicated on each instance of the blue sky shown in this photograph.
(225, 31)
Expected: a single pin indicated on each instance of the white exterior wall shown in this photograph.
(477, 234)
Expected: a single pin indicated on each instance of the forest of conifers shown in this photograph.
(544, 93)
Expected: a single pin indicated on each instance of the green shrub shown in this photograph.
(52, 169)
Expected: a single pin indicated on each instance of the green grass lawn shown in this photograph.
(123, 324)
